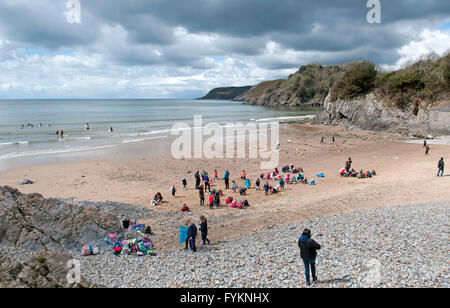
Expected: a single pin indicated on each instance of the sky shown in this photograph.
(182, 49)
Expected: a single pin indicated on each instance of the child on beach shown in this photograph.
(243, 175)
(184, 208)
(204, 230)
(173, 190)
(258, 184)
(234, 186)
(216, 177)
(211, 201)
(184, 182)
(281, 182)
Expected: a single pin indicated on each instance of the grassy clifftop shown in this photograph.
(418, 85)
(308, 86)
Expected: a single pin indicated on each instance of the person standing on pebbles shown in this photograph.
(192, 235)
(204, 230)
(308, 252)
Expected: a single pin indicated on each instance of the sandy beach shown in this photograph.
(404, 176)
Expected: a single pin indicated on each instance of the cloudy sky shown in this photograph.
(183, 48)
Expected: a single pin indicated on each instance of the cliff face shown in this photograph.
(372, 113)
(228, 93)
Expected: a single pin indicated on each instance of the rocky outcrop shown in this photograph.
(371, 113)
(307, 87)
(44, 270)
(227, 93)
(35, 223)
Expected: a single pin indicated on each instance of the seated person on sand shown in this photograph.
(229, 200)
(158, 199)
(243, 175)
(184, 208)
(243, 191)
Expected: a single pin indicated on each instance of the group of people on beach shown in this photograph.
(203, 184)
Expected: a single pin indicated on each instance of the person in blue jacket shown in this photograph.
(226, 177)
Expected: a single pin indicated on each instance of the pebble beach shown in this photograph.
(402, 246)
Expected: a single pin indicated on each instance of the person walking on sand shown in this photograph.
(427, 149)
(201, 195)
(226, 177)
(204, 230)
(197, 179)
(348, 164)
(216, 177)
(184, 182)
(173, 190)
(425, 143)
(308, 252)
(192, 235)
(206, 182)
(441, 166)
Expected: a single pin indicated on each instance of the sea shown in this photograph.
(28, 127)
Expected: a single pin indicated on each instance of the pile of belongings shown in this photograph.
(135, 226)
(239, 204)
(87, 250)
(140, 246)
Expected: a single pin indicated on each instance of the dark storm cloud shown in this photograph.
(338, 29)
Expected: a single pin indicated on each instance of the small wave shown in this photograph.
(14, 143)
(142, 139)
(287, 118)
(50, 152)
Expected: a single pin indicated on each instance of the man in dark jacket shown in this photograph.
(348, 164)
(308, 254)
(441, 166)
(192, 235)
(197, 180)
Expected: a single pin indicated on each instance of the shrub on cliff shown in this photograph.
(357, 81)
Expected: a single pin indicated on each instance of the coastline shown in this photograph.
(132, 176)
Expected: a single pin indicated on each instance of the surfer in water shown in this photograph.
(87, 126)
(111, 129)
(62, 134)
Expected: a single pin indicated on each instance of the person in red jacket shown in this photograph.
(211, 201)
